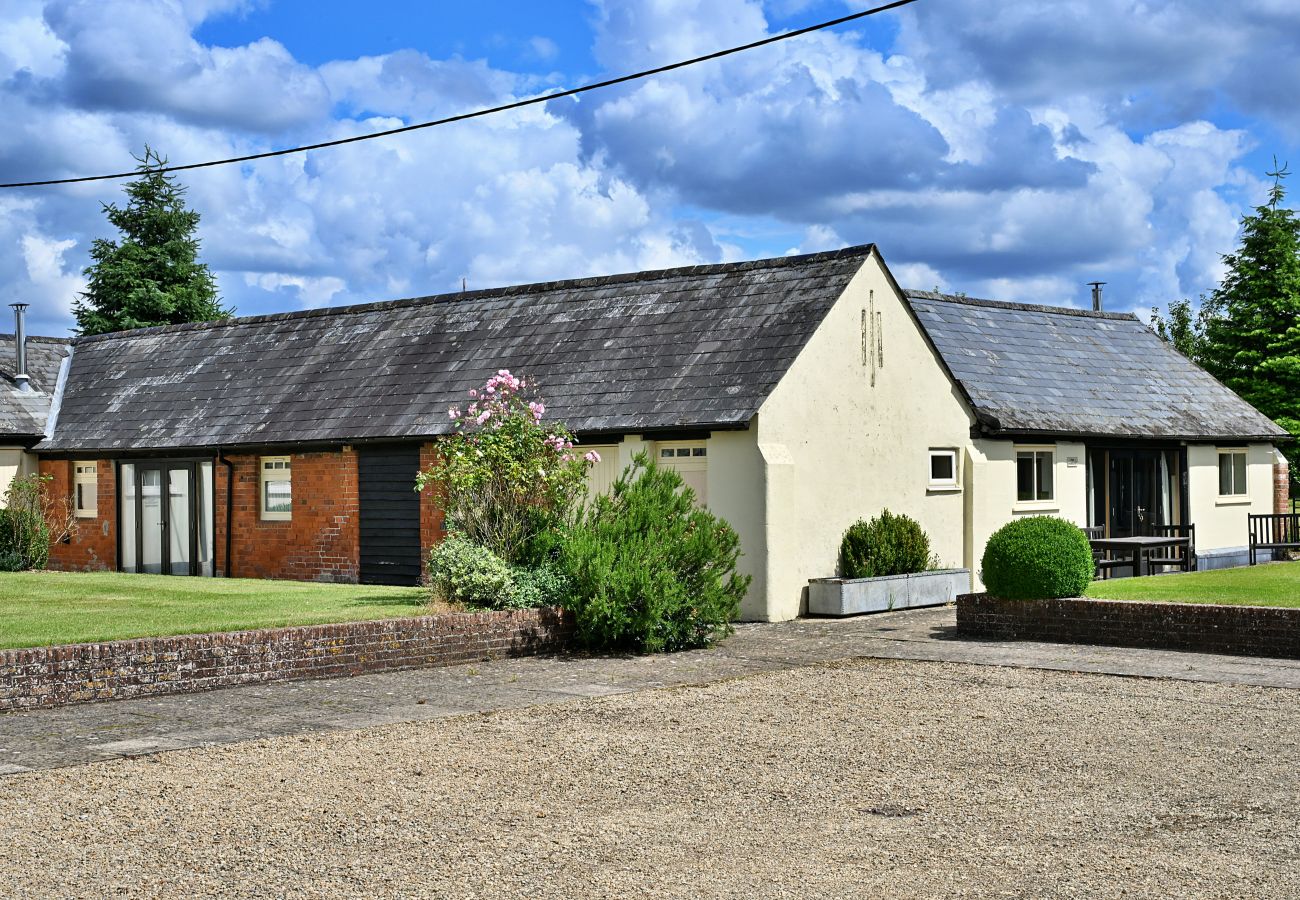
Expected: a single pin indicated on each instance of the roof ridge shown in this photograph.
(1023, 307)
(40, 338)
(859, 250)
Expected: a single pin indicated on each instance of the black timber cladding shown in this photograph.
(694, 347)
(389, 521)
(1059, 371)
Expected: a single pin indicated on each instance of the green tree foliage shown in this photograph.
(1185, 326)
(152, 275)
(30, 521)
(1252, 329)
(651, 571)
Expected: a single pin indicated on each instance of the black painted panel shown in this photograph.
(390, 514)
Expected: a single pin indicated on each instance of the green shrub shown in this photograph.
(463, 572)
(544, 585)
(651, 571)
(1037, 558)
(886, 545)
(24, 540)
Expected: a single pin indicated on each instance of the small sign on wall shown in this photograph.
(1071, 461)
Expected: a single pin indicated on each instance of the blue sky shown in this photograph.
(1014, 151)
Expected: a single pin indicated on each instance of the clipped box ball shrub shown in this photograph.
(461, 571)
(885, 545)
(1037, 558)
(651, 571)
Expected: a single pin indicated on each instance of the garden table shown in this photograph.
(1137, 547)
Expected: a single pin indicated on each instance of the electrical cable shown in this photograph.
(518, 104)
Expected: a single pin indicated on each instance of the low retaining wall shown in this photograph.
(1244, 630)
(148, 667)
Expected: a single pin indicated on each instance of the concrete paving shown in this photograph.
(83, 734)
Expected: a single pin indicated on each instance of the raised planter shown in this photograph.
(853, 596)
(1200, 627)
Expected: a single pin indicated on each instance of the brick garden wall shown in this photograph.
(1281, 487)
(118, 670)
(93, 544)
(1205, 628)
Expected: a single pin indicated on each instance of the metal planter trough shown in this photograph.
(853, 596)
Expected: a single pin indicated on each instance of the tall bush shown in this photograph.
(889, 544)
(30, 522)
(506, 480)
(1037, 558)
(650, 571)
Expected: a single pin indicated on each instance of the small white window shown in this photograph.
(277, 488)
(1232, 473)
(689, 459)
(85, 489)
(943, 470)
(1035, 475)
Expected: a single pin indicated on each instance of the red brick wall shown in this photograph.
(433, 527)
(320, 542)
(93, 544)
(1281, 487)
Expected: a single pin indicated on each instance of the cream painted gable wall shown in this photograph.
(1221, 521)
(846, 433)
(14, 461)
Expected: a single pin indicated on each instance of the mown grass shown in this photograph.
(1274, 584)
(42, 608)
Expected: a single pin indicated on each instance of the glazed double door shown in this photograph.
(163, 518)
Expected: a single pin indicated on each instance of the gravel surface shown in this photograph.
(872, 778)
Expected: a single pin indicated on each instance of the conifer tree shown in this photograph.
(1252, 327)
(152, 274)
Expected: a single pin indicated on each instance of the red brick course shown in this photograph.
(321, 542)
(1198, 627)
(1281, 487)
(149, 667)
(93, 543)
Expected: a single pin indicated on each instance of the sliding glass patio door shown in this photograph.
(165, 519)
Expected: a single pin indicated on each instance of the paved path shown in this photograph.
(82, 734)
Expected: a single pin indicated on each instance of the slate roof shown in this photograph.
(23, 414)
(696, 347)
(1056, 371)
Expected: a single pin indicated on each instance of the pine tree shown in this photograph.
(152, 276)
(1252, 334)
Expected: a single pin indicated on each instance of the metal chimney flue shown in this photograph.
(1096, 295)
(20, 346)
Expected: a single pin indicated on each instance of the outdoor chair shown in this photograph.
(1181, 558)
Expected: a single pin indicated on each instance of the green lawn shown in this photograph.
(39, 608)
(1275, 584)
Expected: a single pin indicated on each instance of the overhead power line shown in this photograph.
(477, 114)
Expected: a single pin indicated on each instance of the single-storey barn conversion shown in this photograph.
(795, 395)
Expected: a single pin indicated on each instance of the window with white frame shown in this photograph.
(1035, 474)
(85, 489)
(689, 459)
(277, 488)
(1232, 472)
(943, 470)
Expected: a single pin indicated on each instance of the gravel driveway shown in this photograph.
(872, 778)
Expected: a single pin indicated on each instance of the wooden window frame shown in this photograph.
(1236, 496)
(82, 479)
(265, 477)
(1036, 502)
(945, 484)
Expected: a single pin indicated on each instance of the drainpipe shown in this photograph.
(20, 346)
(230, 506)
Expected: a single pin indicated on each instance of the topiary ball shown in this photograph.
(1037, 558)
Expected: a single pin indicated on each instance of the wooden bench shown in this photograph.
(1274, 531)
(1182, 558)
